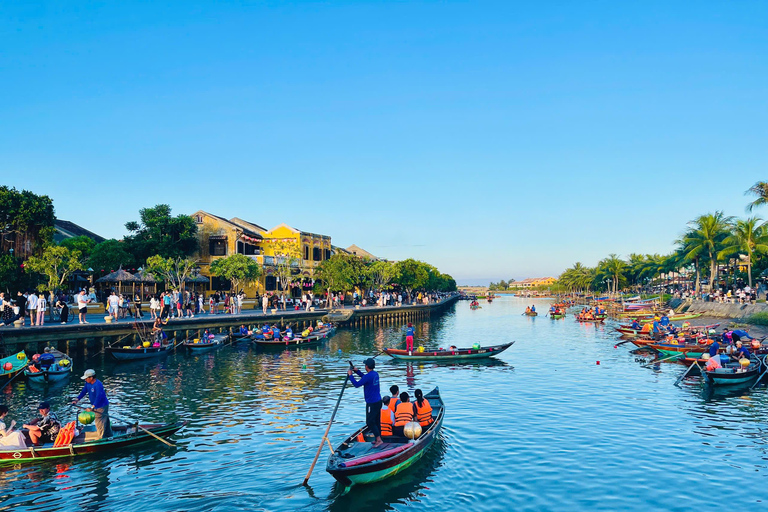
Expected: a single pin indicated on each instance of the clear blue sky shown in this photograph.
(492, 139)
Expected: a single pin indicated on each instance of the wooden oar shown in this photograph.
(12, 379)
(679, 379)
(678, 355)
(328, 429)
(136, 423)
(765, 363)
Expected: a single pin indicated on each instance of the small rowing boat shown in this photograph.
(531, 313)
(734, 373)
(11, 365)
(128, 353)
(675, 318)
(84, 444)
(358, 462)
(448, 355)
(596, 320)
(314, 338)
(205, 344)
(51, 366)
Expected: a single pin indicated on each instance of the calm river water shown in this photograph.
(543, 427)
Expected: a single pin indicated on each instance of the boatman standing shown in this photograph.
(99, 403)
(372, 393)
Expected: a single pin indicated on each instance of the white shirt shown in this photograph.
(113, 300)
(82, 300)
(32, 301)
(41, 303)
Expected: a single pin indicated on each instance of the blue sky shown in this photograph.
(492, 139)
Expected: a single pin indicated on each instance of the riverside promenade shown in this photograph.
(97, 331)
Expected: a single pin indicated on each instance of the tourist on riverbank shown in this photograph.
(21, 302)
(63, 307)
(166, 301)
(113, 302)
(154, 307)
(45, 428)
(264, 303)
(41, 308)
(82, 306)
(99, 403)
(372, 394)
(32, 307)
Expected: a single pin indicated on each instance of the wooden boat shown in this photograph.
(596, 320)
(733, 373)
(203, 345)
(17, 362)
(355, 462)
(81, 445)
(556, 316)
(137, 353)
(58, 371)
(675, 318)
(236, 337)
(531, 313)
(313, 339)
(475, 307)
(448, 355)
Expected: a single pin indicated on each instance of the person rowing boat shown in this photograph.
(99, 403)
(372, 394)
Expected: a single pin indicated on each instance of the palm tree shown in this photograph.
(759, 189)
(748, 237)
(706, 237)
(613, 268)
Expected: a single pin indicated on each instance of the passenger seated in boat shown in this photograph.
(527, 309)
(275, 333)
(714, 348)
(405, 412)
(636, 324)
(45, 428)
(741, 351)
(244, 331)
(423, 409)
(394, 400)
(288, 335)
(533, 309)
(387, 417)
(10, 439)
(552, 310)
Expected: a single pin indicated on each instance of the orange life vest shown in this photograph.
(403, 414)
(393, 402)
(387, 422)
(423, 412)
(65, 436)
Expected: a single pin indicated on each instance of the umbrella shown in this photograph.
(119, 276)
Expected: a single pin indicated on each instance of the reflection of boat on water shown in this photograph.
(400, 488)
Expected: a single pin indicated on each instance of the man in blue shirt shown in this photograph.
(741, 351)
(737, 334)
(714, 348)
(533, 309)
(372, 393)
(636, 325)
(99, 403)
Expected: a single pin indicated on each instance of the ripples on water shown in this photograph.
(542, 427)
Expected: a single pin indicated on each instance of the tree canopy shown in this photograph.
(109, 255)
(56, 263)
(159, 233)
(239, 269)
(26, 222)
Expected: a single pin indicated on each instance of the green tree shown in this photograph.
(173, 271)
(336, 274)
(759, 189)
(26, 222)
(82, 243)
(705, 236)
(382, 273)
(109, 255)
(239, 269)
(159, 233)
(748, 237)
(56, 263)
(412, 275)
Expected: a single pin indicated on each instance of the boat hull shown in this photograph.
(446, 355)
(44, 376)
(135, 354)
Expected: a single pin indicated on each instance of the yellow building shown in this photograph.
(220, 238)
(533, 282)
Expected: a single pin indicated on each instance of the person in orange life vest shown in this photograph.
(387, 417)
(372, 393)
(423, 409)
(394, 401)
(405, 412)
(409, 337)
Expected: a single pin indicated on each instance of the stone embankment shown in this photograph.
(718, 309)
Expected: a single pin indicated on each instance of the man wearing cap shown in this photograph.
(99, 403)
(45, 428)
(372, 393)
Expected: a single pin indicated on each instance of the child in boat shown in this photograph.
(45, 428)
(394, 401)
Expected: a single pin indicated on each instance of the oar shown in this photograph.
(679, 379)
(136, 423)
(765, 363)
(328, 429)
(12, 379)
(703, 373)
(679, 354)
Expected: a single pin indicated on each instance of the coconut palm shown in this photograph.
(748, 237)
(759, 189)
(705, 237)
(613, 268)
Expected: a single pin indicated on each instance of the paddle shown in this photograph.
(12, 379)
(328, 429)
(679, 379)
(674, 356)
(765, 363)
(136, 423)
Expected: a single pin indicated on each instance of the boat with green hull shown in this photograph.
(124, 436)
(11, 365)
(358, 462)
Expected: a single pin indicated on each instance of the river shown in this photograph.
(560, 421)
